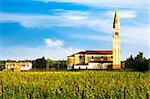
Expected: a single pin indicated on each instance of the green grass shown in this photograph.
(74, 85)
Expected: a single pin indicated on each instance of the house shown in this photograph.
(18, 66)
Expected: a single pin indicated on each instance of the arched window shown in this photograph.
(80, 57)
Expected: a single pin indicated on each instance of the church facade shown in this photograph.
(99, 59)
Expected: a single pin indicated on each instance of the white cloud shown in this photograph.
(53, 43)
(74, 18)
(31, 21)
(52, 49)
(23, 52)
(91, 37)
(105, 3)
(128, 14)
(71, 18)
(134, 39)
(123, 14)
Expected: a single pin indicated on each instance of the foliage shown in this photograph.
(48, 64)
(57, 65)
(139, 63)
(2, 64)
(74, 85)
(39, 63)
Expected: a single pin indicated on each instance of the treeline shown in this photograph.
(43, 64)
(2, 64)
(138, 63)
(40, 64)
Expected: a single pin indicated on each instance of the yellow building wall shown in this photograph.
(73, 60)
(16, 66)
(70, 61)
(76, 59)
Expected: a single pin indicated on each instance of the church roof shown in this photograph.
(98, 52)
(95, 52)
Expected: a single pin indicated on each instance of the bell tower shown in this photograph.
(116, 42)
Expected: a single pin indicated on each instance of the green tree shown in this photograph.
(40, 63)
(139, 63)
(129, 63)
(50, 63)
(2, 64)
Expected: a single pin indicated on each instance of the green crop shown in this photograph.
(74, 85)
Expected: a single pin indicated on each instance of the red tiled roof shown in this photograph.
(71, 55)
(95, 52)
(81, 64)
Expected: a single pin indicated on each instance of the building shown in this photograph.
(116, 42)
(99, 59)
(18, 66)
(90, 59)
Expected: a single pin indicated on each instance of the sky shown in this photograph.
(55, 29)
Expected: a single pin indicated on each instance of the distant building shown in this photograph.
(90, 59)
(99, 59)
(18, 66)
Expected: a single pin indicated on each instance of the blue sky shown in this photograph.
(30, 29)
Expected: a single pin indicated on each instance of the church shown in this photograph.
(99, 59)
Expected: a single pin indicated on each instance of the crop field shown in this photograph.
(74, 85)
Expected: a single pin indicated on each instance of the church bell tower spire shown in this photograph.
(116, 42)
(116, 23)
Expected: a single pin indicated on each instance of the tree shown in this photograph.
(129, 63)
(63, 65)
(58, 65)
(50, 63)
(139, 63)
(40, 63)
(2, 64)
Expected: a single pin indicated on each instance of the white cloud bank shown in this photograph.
(123, 14)
(70, 18)
(52, 49)
(105, 3)
(23, 52)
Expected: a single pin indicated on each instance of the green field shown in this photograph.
(74, 85)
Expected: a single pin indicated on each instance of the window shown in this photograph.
(23, 65)
(80, 57)
(97, 58)
(105, 58)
